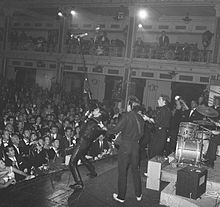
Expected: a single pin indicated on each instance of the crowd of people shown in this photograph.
(171, 51)
(100, 45)
(39, 127)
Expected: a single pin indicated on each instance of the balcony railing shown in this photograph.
(178, 52)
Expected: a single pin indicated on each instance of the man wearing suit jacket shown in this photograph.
(164, 40)
(131, 127)
(216, 106)
(99, 147)
(192, 114)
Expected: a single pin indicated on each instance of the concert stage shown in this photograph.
(168, 194)
(96, 193)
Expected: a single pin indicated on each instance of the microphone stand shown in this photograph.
(84, 67)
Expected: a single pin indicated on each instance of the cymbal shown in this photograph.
(203, 122)
(207, 111)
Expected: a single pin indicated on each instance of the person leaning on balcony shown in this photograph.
(164, 40)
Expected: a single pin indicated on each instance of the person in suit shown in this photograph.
(192, 114)
(90, 130)
(131, 127)
(99, 147)
(11, 160)
(216, 106)
(164, 40)
(214, 142)
(162, 124)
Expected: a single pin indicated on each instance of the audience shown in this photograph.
(39, 127)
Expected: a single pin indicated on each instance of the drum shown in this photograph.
(187, 130)
(204, 136)
(188, 151)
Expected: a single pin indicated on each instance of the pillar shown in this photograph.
(129, 53)
(8, 13)
(216, 50)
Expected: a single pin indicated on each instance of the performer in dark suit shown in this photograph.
(90, 130)
(131, 127)
(162, 124)
(192, 114)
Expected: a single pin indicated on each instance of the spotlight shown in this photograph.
(97, 28)
(140, 26)
(73, 12)
(142, 14)
(60, 14)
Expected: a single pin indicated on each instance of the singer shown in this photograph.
(90, 130)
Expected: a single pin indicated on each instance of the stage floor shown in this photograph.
(169, 197)
(97, 192)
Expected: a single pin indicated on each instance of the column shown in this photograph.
(129, 52)
(216, 49)
(8, 13)
(60, 65)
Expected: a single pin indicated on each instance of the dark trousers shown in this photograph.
(128, 155)
(173, 139)
(213, 144)
(158, 142)
(79, 153)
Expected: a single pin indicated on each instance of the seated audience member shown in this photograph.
(68, 139)
(99, 148)
(6, 138)
(38, 155)
(2, 153)
(55, 153)
(7, 176)
(25, 142)
(47, 143)
(16, 163)
(54, 132)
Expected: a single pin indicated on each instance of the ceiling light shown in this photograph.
(142, 14)
(60, 14)
(73, 12)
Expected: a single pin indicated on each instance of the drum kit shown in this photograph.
(193, 138)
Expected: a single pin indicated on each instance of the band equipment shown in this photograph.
(192, 142)
(154, 172)
(187, 130)
(191, 182)
(188, 151)
(207, 111)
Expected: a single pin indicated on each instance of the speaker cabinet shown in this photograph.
(191, 182)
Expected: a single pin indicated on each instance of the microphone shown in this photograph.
(79, 35)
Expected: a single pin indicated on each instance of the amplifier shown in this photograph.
(191, 182)
(154, 172)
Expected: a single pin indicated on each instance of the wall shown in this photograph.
(45, 77)
(153, 90)
(97, 86)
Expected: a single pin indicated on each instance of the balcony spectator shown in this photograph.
(164, 40)
(139, 47)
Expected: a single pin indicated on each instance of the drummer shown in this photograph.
(216, 106)
(212, 148)
(192, 114)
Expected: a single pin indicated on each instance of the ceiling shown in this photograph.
(156, 9)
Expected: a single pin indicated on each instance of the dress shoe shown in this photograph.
(76, 186)
(139, 198)
(115, 197)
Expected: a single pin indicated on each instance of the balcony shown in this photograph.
(178, 52)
